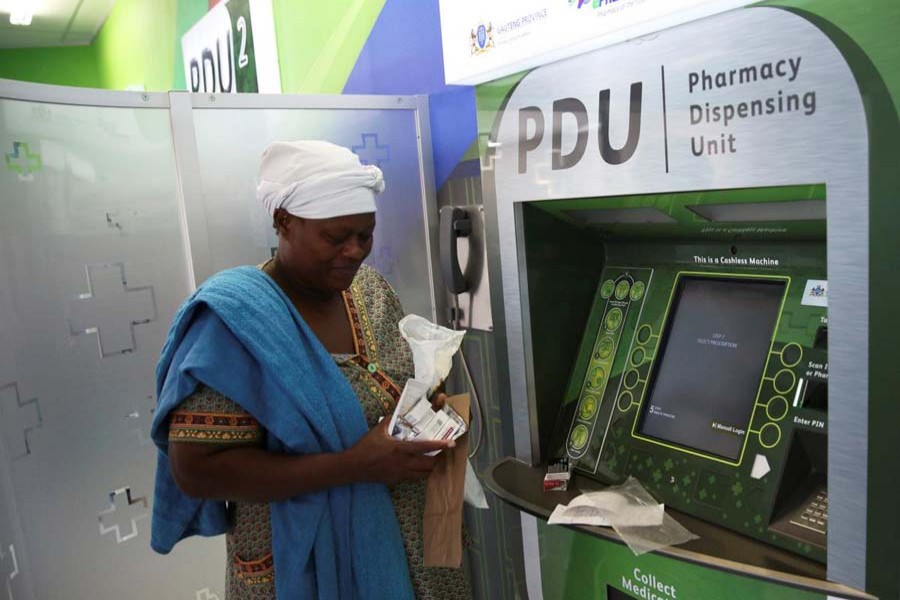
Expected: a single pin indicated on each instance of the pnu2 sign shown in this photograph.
(232, 49)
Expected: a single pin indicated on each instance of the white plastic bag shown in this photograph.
(432, 348)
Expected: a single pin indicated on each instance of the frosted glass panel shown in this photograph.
(230, 143)
(92, 268)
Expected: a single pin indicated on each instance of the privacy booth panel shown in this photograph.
(92, 268)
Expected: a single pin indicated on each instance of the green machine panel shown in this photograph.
(703, 373)
(622, 576)
(620, 299)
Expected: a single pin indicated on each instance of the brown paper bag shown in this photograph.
(442, 528)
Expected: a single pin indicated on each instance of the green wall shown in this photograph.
(138, 45)
(68, 65)
(319, 42)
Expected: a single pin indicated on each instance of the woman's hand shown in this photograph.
(253, 474)
(438, 400)
(379, 457)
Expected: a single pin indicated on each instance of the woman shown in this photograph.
(271, 387)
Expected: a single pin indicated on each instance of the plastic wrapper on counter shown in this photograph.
(631, 511)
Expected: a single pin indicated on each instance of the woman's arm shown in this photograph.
(253, 474)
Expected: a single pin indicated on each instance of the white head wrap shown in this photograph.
(316, 180)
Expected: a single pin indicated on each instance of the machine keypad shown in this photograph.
(815, 515)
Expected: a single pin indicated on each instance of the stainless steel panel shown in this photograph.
(494, 558)
(93, 267)
(531, 549)
(192, 215)
(525, 420)
(429, 208)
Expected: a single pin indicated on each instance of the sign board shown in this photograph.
(483, 41)
(232, 49)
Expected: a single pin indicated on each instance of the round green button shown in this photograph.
(622, 290)
(579, 437)
(784, 381)
(372, 367)
(637, 357)
(613, 319)
(769, 435)
(644, 333)
(597, 377)
(777, 408)
(637, 291)
(631, 380)
(605, 347)
(606, 290)
(588, 408)
(791, 354)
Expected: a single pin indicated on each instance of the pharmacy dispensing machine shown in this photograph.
(693, 255)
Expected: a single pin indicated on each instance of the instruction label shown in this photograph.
(739, 261)
(647, 586)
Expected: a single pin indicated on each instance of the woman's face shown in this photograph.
(324, 254)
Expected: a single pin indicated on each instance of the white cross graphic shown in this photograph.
(114, 512)
(18, 418)
(111, 309)
(370, 152)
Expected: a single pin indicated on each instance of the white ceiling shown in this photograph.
(55, 23)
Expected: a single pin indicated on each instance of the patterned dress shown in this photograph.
(377, 372)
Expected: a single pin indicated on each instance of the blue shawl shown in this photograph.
(240, 335)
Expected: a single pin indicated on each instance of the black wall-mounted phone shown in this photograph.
(454, 224)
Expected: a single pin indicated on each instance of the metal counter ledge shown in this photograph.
(521, 485)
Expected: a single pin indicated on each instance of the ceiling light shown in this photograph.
(21, 12)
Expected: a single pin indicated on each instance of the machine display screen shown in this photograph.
(711, 358)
